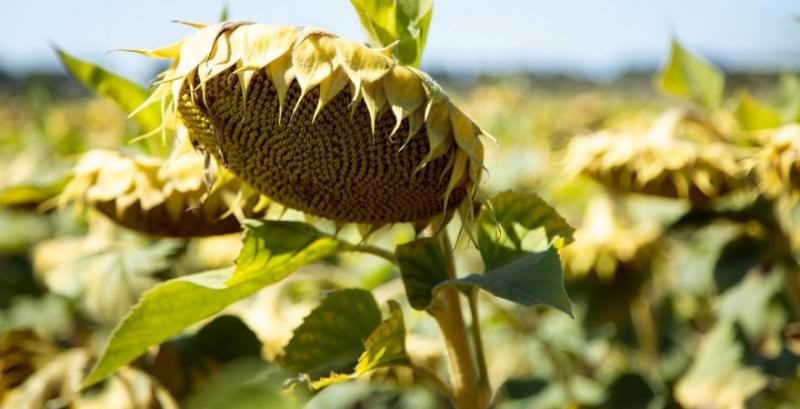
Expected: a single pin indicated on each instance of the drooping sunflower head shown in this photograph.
(161, 197)
(322, 124)
(778, 162)
(658, 162)
(605, 240)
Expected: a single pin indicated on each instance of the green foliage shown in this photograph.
(702, 314)
(32, 192)
(528, 279)
(386, 345)
(127, 94)
(424, 266)
(498, 237)
(245, 384)
(754, 115)
(718, 377)
(403, 21)
(688, 76)
(330, 339)
(748, 304)
(172, 306)
(224, 14)
(106, 282)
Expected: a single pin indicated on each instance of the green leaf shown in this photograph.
(172, 306)
(125, 93)
(717, 377)
(403, 21)
(385, 346)
(187, 362)
(226, 339)
(224, 14)
(512, 210)
(748, 304)
(530, 279)
(754, 115)
(32, 192)
(789, 97)
(423, 265)
(331, 337)
(246, 384)
(105, 281)
(688, 76)
(270, 244)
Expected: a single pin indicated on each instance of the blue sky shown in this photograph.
(595, 38)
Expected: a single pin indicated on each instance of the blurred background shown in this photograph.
(681, 179)
(589, 40)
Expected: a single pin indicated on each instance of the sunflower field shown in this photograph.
(286, 218)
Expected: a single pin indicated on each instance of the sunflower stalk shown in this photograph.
(469, 379)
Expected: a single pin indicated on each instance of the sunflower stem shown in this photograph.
(373, 250)
(477, 339)
(467, 384)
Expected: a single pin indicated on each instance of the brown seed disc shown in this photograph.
(334, 166)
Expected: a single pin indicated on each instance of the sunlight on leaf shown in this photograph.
(528, 279)
(531, 279)
(754, 115)
(385, 346)
(717, 377)
(174, 305)
(498, 238)
(688, 76)
(405, 21)
(330, 339)
(125, 93)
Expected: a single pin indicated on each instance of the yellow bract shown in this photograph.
(164, 198)
(323, 124)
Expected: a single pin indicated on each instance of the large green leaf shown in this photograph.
(423, 265)
(403, 21)
(385, 346)
(688, 76)
(498, 237)
(331, 337)
(528, 279)
(127, 94)
(754, 115)
(172, 306)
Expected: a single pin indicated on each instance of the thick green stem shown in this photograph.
(463, 373)
(468, 386)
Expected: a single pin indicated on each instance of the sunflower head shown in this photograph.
(778, 162)
(322, 124)
(605, 240)
(658, 163)
(163, 198)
